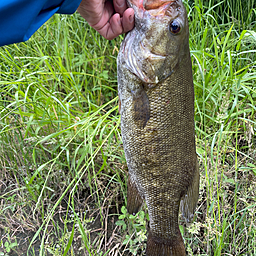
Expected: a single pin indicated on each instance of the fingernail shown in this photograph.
(131, 17)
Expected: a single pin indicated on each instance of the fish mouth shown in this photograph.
(153, 8)
(149, 75)
(145, 73)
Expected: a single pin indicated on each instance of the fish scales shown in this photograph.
(156, 93)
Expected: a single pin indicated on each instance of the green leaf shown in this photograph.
(120, 223)
(69, 241)
(13, 244)
(231, 181)
(123, 210)
(132, 217)
(181, 230)
(142, 215)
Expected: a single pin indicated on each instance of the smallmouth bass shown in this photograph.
(156, 101)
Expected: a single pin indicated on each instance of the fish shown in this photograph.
(156, 104)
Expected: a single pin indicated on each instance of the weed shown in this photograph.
(7, 246)
(135, 225)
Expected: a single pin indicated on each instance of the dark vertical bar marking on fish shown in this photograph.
(141, 108)
(155, 87)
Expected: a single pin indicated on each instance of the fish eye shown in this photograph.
(175, 27)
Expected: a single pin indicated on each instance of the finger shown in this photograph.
(120, 6)
(101, 22)
(128, 20)
(113, 28)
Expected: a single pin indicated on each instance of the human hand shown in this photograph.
(109, 17)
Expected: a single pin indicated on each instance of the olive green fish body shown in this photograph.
(157, 122)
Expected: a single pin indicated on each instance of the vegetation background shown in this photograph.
(63, 174)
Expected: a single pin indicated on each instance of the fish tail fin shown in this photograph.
(134, 200)
(189, 200)
(165, 247)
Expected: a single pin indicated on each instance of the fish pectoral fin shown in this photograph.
(141, 111)
(134, 200)
(189, 200)
(173, 246)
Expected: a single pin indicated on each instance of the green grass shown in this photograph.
(63, 171)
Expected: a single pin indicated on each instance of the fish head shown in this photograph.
(159, 40)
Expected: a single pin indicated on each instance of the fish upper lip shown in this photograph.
(153, 5)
